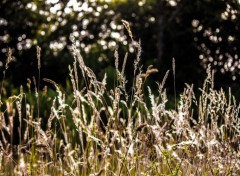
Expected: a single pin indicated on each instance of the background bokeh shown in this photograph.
(195, 33)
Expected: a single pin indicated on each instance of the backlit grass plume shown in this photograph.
(94, 130)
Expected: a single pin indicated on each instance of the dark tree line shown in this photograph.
(195, 33)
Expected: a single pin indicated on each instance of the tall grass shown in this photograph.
(118, 131)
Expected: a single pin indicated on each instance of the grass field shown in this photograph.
(96, 131)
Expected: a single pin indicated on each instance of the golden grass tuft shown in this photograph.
(97, 131)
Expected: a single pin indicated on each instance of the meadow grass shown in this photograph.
(97, 131)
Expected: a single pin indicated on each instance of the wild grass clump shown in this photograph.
(120, 132)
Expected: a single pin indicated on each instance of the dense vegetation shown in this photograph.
(195, 33)
(99, 131)
(116, 87)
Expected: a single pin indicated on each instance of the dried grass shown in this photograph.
(114, 135)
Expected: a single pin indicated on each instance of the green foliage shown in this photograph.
(183, 30)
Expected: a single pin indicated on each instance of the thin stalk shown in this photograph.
(39, 75)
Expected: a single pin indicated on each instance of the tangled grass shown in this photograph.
(114, 132)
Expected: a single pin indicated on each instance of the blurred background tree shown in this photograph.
(195, 33)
